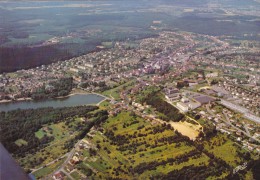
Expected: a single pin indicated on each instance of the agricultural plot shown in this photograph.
(127, 146)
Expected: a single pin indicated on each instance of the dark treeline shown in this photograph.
(142, 167)
(22, 124)
(170, 112)
(15, 58)
(101, 85)
(123, 142)
(23, 57)
(255, 166)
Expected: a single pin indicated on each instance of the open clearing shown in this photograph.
(187, 129)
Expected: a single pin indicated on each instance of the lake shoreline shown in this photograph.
(16, 100)
(73, 99)
(59, 97)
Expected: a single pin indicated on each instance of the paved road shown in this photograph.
(52, 162)
(69, 156)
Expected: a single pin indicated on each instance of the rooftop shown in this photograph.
(204, 99)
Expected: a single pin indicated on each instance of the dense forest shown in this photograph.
(22, 124)
(60, 87)
(15, 58)
(170, 112)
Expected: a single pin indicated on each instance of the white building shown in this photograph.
(183, 107)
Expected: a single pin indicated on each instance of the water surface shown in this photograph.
(74, 100)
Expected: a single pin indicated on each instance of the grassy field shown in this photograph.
(128, 142)
(47, 170)
(21, 142)
(225, 149)
(104, 104)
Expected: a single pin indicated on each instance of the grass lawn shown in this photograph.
(224, 148)
(39, 134)
(57, 130)
(21, 142)
(98, 165)
(104, 104)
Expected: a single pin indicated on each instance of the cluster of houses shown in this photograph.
(75, 159)
(247, 98)
(235, 128)
(109, 66)
(25, 82)
(250, 146)
(188, 101)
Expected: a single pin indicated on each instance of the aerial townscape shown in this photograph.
(150, 100)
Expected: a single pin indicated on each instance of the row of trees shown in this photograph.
(145, 166)
(170, 112)
(133, 143)
(192, 172)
